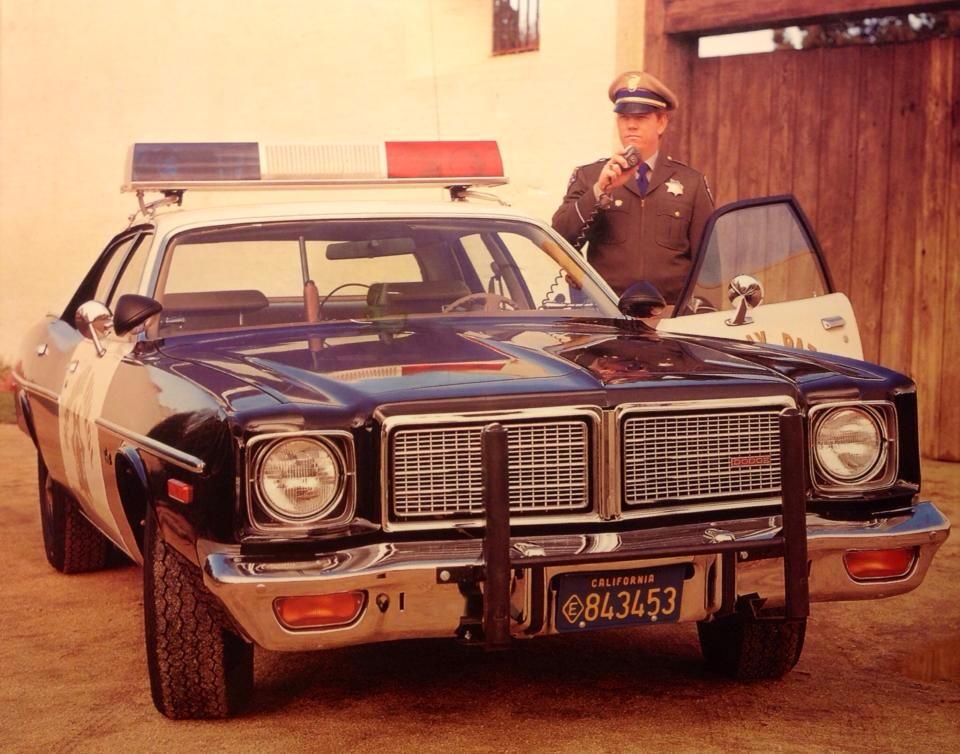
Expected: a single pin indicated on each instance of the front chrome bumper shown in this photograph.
(421, 596)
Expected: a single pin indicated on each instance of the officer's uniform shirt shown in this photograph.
(653, 237)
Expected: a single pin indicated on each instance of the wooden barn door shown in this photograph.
(868, 139)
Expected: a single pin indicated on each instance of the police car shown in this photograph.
(327, 424)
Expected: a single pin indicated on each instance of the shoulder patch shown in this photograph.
(573, 177)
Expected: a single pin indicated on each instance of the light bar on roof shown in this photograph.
(250, 165)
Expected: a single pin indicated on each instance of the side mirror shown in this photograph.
(642, 300)
(132, 311)
(94, 320)
(744, 293)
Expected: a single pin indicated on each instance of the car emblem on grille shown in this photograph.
(750, 461)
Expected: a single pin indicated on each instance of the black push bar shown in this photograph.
(496, 539)
(793, 482)
(791, 544)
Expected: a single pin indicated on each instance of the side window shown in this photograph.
(765, 241)
(109, 271)
(99, 281)
(132, 272)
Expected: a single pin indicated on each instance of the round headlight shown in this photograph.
(848, 444)
(299, 479)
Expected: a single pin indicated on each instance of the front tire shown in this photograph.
(198, 667)
(747, 648)
(71, 542)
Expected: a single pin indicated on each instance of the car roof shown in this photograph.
(173, 220)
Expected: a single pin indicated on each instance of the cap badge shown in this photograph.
(674, 187)
(633, 83)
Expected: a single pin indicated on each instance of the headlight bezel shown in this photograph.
(264, 518)
(882, 473)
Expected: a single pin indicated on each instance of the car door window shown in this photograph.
(111, 269)
(767, 242)
(770, 242)
(100, 280)
(131, 272)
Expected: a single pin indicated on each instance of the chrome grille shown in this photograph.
(700, 456)
(437, 472)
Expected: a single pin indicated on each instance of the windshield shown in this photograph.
(285, 272)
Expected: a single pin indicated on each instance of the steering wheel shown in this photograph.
(492, 302)
(339, 287)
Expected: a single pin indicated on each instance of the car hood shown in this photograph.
(418, 359)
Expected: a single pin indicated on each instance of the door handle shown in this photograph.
(42, 349)
(831, 323)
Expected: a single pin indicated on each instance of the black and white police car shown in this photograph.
(343, 422)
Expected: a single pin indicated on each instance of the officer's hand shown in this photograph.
(615, 173)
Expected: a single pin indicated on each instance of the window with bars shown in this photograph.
(516, 26)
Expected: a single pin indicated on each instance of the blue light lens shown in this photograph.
(239, 161)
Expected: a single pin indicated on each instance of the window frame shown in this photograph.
(88, 286)
(531, 43)
(804, 222)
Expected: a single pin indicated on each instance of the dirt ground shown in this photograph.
(874, 676)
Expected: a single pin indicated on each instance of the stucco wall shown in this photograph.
(79, 82)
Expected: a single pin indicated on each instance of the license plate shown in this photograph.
(608, 599)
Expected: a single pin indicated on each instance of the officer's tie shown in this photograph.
(643, 182)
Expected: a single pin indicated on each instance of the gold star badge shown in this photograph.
(674, 187)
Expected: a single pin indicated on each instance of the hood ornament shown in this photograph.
(715, 536)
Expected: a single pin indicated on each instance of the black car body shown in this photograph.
(490, 452)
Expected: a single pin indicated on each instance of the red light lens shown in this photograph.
(443, 159)
(869, 565)
(319, 610)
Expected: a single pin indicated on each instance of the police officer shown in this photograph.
(643, 222)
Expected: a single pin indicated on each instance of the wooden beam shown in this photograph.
(949, 428)
(870, 206)
(838, 163)
(671, 60)
(904, 186)
(725, 16)
(933, 315)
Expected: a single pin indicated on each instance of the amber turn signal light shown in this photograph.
(869, 565)
(319, 610)
(180, 491)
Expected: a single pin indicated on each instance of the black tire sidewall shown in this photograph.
(150, 609)
(52, 519)
(167, 679)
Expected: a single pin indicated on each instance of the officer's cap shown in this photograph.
(637, 92)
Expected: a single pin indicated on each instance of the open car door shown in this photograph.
(760, 276)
